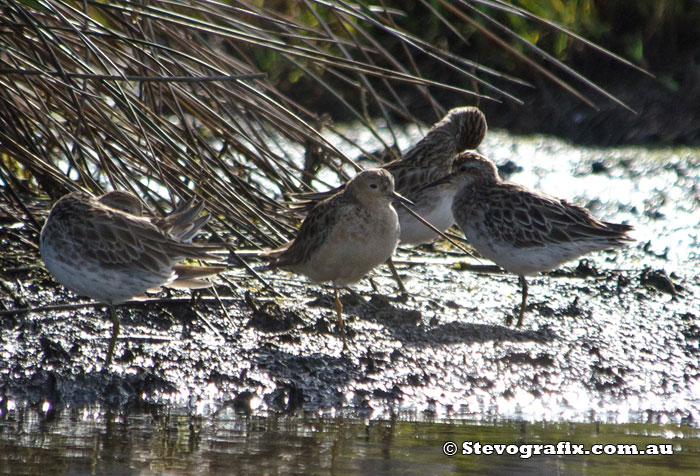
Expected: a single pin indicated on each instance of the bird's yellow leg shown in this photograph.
(339, 314)
(338, 306)
(115, 335)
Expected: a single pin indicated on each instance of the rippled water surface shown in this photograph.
(94, 442)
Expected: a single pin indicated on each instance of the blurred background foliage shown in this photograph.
(652, 33)
(667, 29)
(658, 35)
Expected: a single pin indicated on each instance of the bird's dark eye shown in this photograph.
(463, 168)
(373, 185)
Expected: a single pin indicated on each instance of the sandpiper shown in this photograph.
(105, 249)
(522, 230)
(430, 159)
(346, 235)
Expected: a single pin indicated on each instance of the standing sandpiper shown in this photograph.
(346, 235)
(105, 249)
(430, 159)
(522, 230)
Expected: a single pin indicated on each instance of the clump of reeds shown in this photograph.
(164, 98)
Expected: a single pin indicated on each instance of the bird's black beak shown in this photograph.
(402, 199)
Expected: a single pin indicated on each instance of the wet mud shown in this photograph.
(612, 337)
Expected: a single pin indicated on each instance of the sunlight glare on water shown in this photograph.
(104, 442)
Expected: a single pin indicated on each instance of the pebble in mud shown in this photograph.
(658, 279)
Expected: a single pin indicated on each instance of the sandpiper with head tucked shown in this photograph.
(463, 128)
(522, 230)
(346, 235)
(105, 249)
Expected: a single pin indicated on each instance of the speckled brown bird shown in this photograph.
(524, 231)
(105, 249)
(346, 235)
(430, 159)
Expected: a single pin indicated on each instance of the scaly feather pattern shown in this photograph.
(103, 247)
(522, 230)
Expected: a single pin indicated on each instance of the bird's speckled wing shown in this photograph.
(526, 219)
(116, 240)
(313, 232)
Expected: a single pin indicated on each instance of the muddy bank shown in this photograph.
(614, 337)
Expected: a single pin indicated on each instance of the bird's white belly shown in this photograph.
(87, 278)
(526, 261)
(438, 213)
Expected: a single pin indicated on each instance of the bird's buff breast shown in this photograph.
(354, 247)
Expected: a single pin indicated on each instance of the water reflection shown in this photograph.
(76, 442)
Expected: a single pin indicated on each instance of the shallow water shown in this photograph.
(93, 442)
(609, 353)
